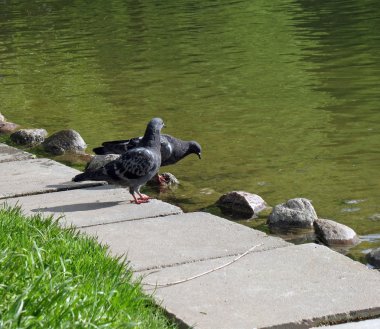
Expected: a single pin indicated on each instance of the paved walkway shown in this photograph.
(206, 271)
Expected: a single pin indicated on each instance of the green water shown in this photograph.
(284, 96)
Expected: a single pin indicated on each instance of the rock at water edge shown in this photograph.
(374, 257)
(64, 141)
(29, 137)
(240, 202)
(99, 161)
(298, 212)
(332, 233)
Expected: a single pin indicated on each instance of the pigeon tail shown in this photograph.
(91, 175)
(100, 150)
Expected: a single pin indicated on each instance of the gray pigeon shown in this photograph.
(172, 149)
(135, 167)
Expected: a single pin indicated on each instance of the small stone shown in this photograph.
(99, 161)
(7, 127)
(64, 141)
(169, 178)
(207, 191)
(29, 137)
(374, 257)
(2, 118)
(74, 159)
(374, 217)
(354, 201)
(332, 233)
(240, 202)
(297, 212)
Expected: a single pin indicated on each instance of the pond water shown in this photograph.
(284, 96)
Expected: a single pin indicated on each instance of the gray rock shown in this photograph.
(374, 257)
(332, 233)
(74, 159)
(170, 179)
(30, 137)
(297, 212)
(7, 127)
(375, 217)
(240, 202)
(99, 161)
(64, 141)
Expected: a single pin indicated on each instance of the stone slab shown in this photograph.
(367, 324)
(37, 176)
(298, 286)
(9, 153)
(92, 206)
(172, 240)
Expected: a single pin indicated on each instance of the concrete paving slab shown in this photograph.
(8, 153)
(299, 286)
(171, 240)
(92, 206)
(368, 324)
(37, 176)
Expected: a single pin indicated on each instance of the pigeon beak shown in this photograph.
(199, 156)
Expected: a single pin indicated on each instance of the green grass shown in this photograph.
(57, 278)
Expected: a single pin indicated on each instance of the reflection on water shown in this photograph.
(281, 92)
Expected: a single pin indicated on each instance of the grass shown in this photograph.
(57, 278)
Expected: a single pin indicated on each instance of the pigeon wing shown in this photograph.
(166, 148)
(134, 164)
(121, 146)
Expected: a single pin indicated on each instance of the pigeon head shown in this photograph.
(195, 148)
(155, 125)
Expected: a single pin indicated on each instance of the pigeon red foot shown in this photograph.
(143, 198)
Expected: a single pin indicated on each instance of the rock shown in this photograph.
(170, 179)
(64, 141)
(7, 127)
(30, 137)
(297, 212)
(98, 161)
(74, 159)
(240, 202)
(374, 217)
(2, 118)
(332, 233)
(374, 257)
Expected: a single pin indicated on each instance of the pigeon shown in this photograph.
(172, 149)
(135, 167)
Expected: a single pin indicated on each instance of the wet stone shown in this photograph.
(99, 161)
(168, 180)
(241, 203)
(7, 127)
(297, 212)
(332, 233)
(64, 141)
(375, 217)
(374, 257)
(29, 137)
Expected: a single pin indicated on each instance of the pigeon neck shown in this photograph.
(151, 138)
